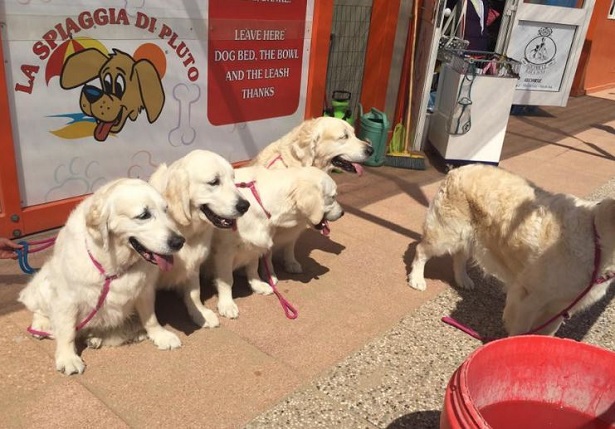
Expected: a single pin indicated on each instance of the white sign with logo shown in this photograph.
(548, 39)
(543, 50)
(113, 88)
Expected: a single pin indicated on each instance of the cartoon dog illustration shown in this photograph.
(127, 87)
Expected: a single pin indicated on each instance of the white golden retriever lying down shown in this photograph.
(294, 197)
(125, 228)
(324, 143)
(540, 245)
(202, 197)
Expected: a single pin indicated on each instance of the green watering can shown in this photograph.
(374, 127)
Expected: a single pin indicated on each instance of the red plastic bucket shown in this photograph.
(532, 382)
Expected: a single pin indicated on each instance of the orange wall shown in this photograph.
(379, 53)
(321, 32)
(596, 70)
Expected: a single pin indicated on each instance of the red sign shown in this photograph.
(255, 52)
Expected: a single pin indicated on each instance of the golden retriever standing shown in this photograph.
(202, 196)
(297, 196)
(540, 245)
(123, 227)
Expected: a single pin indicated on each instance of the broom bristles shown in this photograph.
(411, 160)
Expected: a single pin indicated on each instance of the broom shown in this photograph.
(399, 154)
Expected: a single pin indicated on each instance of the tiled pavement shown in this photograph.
(366, 351)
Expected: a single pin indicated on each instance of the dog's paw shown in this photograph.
(70, 364)
(228, 309)
(417, 283)
(261, 287)
(205, 318)
(94, 342)
(140, 336)
(466, 283)
(40, 324)
(210, 319)
(165, 340)
(293, 267)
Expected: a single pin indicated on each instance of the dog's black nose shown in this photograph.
(369, 150)
(242, 206)
(176, 242)
(92, 93)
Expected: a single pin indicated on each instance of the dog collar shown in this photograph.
(252, 187)
(274, 160)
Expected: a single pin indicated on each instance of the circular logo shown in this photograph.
(540, 50)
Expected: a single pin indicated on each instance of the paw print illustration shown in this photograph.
(77, 177)
(142, 166)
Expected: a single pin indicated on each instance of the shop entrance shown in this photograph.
(546, 36)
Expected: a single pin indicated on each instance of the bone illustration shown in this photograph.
(184, 133)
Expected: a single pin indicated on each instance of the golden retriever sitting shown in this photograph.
(298, 196)
(124, 228)
(202, 196)
(127, 87)
(324, 143)
(540, 245)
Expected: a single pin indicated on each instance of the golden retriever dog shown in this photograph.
(539, 244)
(126, 88)
(297, 196)
(202, 196)
(125, 229)
(324, 143)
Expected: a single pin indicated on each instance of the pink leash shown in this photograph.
(289, 310)
(99, 304)
(595, 279)
(274, 160)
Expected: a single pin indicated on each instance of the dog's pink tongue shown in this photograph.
(165, 263)
(358, 167)
(102, 130)
(326, 230)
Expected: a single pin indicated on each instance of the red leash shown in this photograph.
(595, 280)
(99, 304)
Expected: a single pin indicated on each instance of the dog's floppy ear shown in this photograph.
(97, 218)
(308, 198)
(304, 147)
(177, 194)
(81, 67)
(150, 88)
(158, 179)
